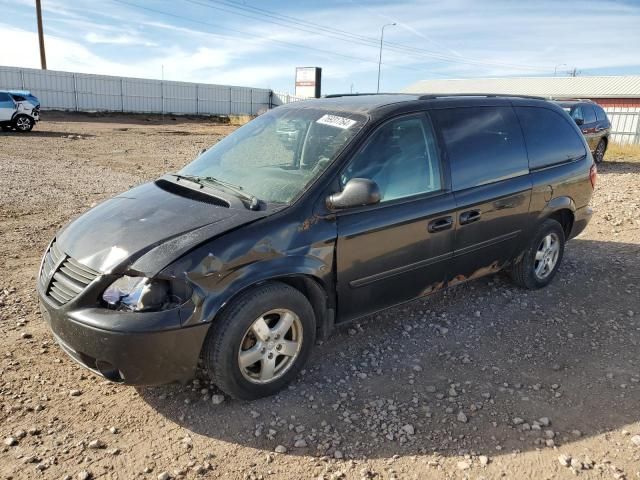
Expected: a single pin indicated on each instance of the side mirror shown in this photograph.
(579, 121)
(356, 193)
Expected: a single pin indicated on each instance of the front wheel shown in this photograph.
(598, 155)
(539, 262)
(260, 342)
(23, 123)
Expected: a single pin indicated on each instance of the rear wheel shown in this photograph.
(23, 123)
(538, 264)
(260, 342)
(598, 155)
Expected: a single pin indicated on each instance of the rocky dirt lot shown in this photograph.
(482, 381)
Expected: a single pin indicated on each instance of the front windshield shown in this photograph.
(276, 156)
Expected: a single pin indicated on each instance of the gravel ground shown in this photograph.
(482, 381)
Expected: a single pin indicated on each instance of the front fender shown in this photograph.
(215, 289)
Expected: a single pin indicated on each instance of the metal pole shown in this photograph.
(43, 57)
(380, 56)
(75, 90)
(197, 100)
(122, 94)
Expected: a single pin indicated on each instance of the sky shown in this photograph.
(259, 43)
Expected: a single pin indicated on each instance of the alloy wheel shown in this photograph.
(270, 346)
(23, 123)
(547, 255)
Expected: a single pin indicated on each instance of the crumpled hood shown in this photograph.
(116, 233)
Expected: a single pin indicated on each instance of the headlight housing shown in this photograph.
(137, 294)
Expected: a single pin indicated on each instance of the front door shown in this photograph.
(398, 249)
(7, 107)
(492, 188)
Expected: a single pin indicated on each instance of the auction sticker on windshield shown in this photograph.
(336, 121)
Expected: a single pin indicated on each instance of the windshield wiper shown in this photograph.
(254, 202)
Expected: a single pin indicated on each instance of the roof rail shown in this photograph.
(337, 95)
(431, 96)
(568, 99)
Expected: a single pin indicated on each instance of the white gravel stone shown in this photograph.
(565, 460)
(462, 417)
(217, 399)
(280, 449)
(636, 440)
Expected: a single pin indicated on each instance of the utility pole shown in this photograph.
(380, 56)
(43, 57)
(555, 70)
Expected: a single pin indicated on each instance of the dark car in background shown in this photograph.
(313, 214)
(593, 122)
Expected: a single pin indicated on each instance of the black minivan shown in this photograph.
(313, 214)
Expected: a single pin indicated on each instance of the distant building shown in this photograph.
(618, 95)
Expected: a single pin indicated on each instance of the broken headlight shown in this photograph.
(138, 294)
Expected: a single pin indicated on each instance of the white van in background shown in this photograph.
(19, 110)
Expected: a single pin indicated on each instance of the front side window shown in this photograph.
(576, 113)
(600, 114)
(589, 114)
(484, 144)
(277, 155)
(401, 156)
(549, 136)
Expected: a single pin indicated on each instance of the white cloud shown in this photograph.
(98, 38)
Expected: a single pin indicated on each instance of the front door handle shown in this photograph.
(440, 224)
(469, 217)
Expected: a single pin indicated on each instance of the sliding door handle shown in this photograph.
(469, 217)
(440, 224)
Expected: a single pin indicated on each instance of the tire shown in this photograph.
(526, 271)
(238, 330)
(23, 123)
(598, 155)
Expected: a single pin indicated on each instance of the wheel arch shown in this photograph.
(561, 209)
(314, 288)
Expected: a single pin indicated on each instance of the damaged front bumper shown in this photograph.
(162, 354)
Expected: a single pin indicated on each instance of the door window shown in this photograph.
(401, 157)
(589, 114)
(576, 113)
(5, 100)
(484, 144)
(600, 114)
(549, 136)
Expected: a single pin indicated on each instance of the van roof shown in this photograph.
(368, 103)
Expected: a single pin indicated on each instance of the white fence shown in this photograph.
(625, 124)
(89, 93)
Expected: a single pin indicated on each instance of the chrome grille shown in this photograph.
(70, 277)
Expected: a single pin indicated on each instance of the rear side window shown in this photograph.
(600, 115)
(18, 98)
(484, 144)
(589, 114)
(550, 138)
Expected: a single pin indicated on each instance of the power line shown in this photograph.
(257, 13)
(245, 34)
